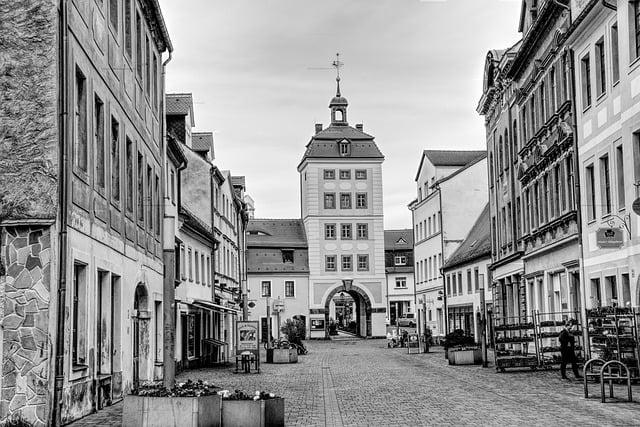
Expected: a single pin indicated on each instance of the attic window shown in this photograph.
(345, 149)
(401, 241)
(287, 256)
(257, 233)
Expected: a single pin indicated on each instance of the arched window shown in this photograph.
(339, 116)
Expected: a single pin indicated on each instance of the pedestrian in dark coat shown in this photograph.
(567, 350)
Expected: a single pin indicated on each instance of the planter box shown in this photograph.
(250, 413)
(150, 411)
(465, 357)
(282, 355)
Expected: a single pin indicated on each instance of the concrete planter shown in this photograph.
(253, 413)
(465, 357)
(282, 355)
(152, 411)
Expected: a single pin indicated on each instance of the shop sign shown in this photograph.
(607, 238)
(248, 336)
(317, 324)
(636, 206)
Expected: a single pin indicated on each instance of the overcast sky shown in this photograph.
(412, 74)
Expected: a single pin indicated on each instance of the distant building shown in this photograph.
(466, 274)
(277, 270)
(398, 261)
(441, 221)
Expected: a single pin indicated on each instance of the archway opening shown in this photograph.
(348, 308)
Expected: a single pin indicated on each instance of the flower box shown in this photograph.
(172, 411)
(282, 355)
(465, 357)
(250, 413)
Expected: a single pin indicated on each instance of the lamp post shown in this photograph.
(483, 321)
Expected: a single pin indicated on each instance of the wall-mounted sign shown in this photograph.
(607, 238)
(317, 324)
(247, 336)
(636, 206)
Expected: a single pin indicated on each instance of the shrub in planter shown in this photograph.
(455, 339)
(240, 409)
(187, 404)
(295, 330)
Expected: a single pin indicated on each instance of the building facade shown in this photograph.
(441, 221)
(342, 211)
(398, 261)
(465, 275)
(605, 46)
(94, 235)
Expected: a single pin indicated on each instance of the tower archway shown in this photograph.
(361, 311)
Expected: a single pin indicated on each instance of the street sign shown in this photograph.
(278, 305)
(636, 206)
(608, 238)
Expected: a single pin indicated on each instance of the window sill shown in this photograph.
(585, 109)
(79, 367)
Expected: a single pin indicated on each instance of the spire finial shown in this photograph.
(337, 64)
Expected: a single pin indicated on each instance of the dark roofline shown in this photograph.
(483, 216)
(174, 150)
(424, 154)
(459, 171)
(163, 26)
(194, 223)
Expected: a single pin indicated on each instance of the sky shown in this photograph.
(261, 77)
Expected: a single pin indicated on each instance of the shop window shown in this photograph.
(191, 336)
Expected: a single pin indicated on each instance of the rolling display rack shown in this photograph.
(515, 343)
(547, 329)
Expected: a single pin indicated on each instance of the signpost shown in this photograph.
(278, 307)
(609, 238)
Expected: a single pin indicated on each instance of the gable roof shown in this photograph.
(202, 142)
(462, 169)
(180, 104)
(476, 245)
(393, 239)
(448, 158)
(278, 233)
(238, 181)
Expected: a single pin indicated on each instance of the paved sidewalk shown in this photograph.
(362, 382)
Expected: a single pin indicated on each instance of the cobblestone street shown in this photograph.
(357, 382)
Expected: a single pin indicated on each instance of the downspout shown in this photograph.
(413, 263)
(577, 202)
(444, 290)
(609, 5)
(63, 195)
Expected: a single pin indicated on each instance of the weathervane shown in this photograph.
(337, 64)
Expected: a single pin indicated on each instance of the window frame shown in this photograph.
(365, 227)
(330, 262)
(398, 260)
(329, 174)
(361, 174)
(293, 283)
(361, 201)
(329, 196)
(346, 263)
(349, 229)
(585, 77)
(346, 173)
(402, 280)
(264, 294)
(601, 68)
(346, 200)
(363, 262)
(327, 234)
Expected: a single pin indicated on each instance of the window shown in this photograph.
(158, 204)
(115, 159)
(400, 260)
(546, 199)
(543, 109)
(329, 200)
(197, 267)
(527, 209)
(362, 231)
(469, 282)
(287, 256)
(585, 68)
(552, 92)
(344, 149)
(346, 263)
(149, 198)
(536, 199)
(127, 27)
(401, 282)
(79, 321)
(329, 174)
(113, 14)
(345, 231)
(190, 261)
(635, 28)
(172, 189)
(345, 200)
(183, 264)
(615, 57)
(523, 122)
(448, 285)
(605, 185)
(209, 271)
(570, 180)
(140, 187)
(363, 262)
(81, 121)
(330, 263)
(620, 176)
(601, 81)
(460, 283)
(361, 200)
(203, 268)
(557, 191)
(345, 174)
(99, 141)
(154, 71)
(476, 274)
(289, 289)
(139, 47)
(330, 231)
(266, 288)
(129, 176)
(361, 174)
(591, 196)
(147, 66)
(454, 287)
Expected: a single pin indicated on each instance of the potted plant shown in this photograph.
(461, 349)
(240, 409)
(187, 404)
(295, 330)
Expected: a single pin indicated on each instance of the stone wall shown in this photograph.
(28, 109)
(24, 299)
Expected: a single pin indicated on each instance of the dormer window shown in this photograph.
(345, 148)
(287, 256)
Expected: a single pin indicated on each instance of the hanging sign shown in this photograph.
(607, 238)
(636, 206)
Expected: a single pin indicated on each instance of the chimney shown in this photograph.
(318, 128)
(359, 127)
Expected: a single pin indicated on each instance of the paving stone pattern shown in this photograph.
(358, 383)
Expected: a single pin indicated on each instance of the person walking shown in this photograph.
(567, 350)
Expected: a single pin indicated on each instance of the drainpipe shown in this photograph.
(444, 290)
(609, 5)
(63, 197)
(577, 202)
(413, 262)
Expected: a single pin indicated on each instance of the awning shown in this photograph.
(214, 341)
(214, 307)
